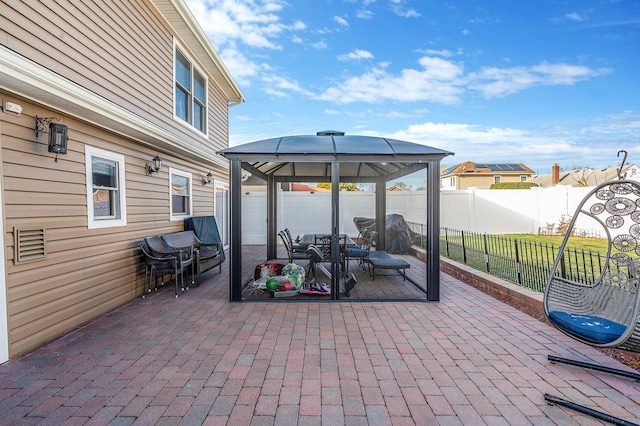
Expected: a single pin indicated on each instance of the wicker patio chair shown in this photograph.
(605, 312)
(601, 306)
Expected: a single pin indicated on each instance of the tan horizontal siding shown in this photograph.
(218, 119)
(86, 272)
(122, 51)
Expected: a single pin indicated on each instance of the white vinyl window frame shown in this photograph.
(118, 195)
(497, 179)
(221, 210)
(195, 106)
(173, 192)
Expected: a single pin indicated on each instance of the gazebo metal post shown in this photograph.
(433, 232)
(235, 222)
(272, 217)
(335, 230)
(381, 214)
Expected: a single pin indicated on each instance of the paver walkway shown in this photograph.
(198, 359)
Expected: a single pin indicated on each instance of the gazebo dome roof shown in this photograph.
(308, 156)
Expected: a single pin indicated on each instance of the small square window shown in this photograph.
(180, 190)
(106, 198)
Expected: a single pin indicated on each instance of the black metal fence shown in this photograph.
(524, 263)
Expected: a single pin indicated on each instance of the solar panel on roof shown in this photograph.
(501, 167)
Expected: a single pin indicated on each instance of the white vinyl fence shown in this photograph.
(478, 210)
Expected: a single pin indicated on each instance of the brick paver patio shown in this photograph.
(466, 360)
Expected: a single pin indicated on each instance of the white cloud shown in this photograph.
(240, 66)
(438, 81)
(320, 45)
(444, 53)
(254, 23)
(364, 14)
(341, 21)
(594, 143)
(280, 86)
(499, 82)
(574, 16)
(399, 8)
(356, 55)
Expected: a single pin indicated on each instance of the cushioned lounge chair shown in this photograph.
(211, 251)
(382, 260)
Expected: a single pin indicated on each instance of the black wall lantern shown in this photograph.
(154, 165)
(58, 137)
(208, 179)
(58, 134)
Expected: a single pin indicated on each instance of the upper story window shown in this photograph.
(106, 197)
(190, 92)
(180, 190)
(497, 179)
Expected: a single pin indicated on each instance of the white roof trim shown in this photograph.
(32, 81)
(189, 31)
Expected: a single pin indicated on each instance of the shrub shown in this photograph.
(513, 185)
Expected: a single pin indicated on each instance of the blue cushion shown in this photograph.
(357, 252)
(589, 327)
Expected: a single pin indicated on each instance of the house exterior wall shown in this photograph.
(465, 181)
(121, 52)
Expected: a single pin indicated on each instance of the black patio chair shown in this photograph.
(360, 253)
(184, 256)
(291, 254)
(157, 266)
(296, 248)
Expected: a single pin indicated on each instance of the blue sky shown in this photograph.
(526, 81)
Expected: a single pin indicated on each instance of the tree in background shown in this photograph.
(343, 186)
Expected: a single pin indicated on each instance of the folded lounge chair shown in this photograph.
(383, 260)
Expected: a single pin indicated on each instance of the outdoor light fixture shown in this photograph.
(58, 137)
(208, 179)
(58, 134)
(154, 165)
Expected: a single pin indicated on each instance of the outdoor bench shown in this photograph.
(207, 255)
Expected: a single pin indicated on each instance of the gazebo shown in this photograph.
(332, 156)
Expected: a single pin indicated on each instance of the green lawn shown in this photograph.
(578, 243)
(496, 254)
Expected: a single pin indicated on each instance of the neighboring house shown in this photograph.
(482, 175)
(584, 177)
(130, 80)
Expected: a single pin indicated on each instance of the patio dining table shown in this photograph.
(308, 239)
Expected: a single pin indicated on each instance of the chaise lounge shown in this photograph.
(383, 260)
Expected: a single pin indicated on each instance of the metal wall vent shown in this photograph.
(28, 244)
